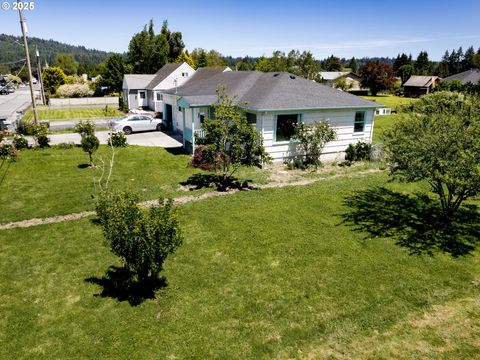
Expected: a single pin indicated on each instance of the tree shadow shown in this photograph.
(199, 181)
(413, 221)
(179, 150)
(84, 166)
(120, 283)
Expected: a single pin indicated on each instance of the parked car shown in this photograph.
(4, 90)
(134, 122)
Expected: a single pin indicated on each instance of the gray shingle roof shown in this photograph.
(472, 76)
(138, 81)
(269, 91)
(162, 74)
(420, 81)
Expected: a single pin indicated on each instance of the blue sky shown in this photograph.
(238, 28)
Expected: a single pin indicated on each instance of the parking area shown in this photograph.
(152, 138)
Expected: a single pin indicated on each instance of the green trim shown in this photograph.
(285, 142)
(318, 108)
(181, 102)
(364, 122)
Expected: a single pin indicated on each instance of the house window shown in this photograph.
(142, 95)
(285, 127)
(202, 117)
(159, 97)
(185, 74)
(359, 123)
(179, 108)
(252, 119)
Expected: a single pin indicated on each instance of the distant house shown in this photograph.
(416, 85)
(470, 76)
(145, 90)
(275, 102)
(352, 80)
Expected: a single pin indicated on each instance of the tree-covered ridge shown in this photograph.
(11, 50)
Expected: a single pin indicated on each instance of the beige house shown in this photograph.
(344, 80)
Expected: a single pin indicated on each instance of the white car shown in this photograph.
(134, 122)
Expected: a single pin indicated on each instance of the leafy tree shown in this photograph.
(89, 142)
(244, 65)
(312, 139)
(422, 64)
(332, 63)
(476, 60)
(52, 78)
(184, 57)
(142, 240)
(342, 84)
(112, 72)
(309, 68)
(148, 52)
(401, 60)
(67, 63)
(230, 139)
(438, 142)
(201, 60)
(376, 76)
(405, 71)
(352, 64)
(175, 42)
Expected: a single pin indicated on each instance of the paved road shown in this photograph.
(11, 103)
(153, 138)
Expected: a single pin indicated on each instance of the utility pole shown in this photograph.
(27, 57)
(39, 72)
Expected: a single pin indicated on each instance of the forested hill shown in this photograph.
(11, 51)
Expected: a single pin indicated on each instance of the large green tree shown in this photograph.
(332, 63)
(423, 65)
(438, 142)
(376, 76)
(174, 40)
(67, 63)
(52, 78)
(148, 52)
(112, 72)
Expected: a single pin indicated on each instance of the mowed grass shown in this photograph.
(261, 274)
(71, 114)
(49, 182)
(381, 124)
(390, 101)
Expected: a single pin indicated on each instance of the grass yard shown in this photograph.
(69, 114)
(48, 182)
(262, 274)
(390, 101)
(381, 124)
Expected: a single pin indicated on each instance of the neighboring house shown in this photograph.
(145, 90)
(352, 81)
(470, 76)
(416, 85)
(134, 89)
(275, 102)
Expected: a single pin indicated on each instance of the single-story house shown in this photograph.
(145, 90)
(417, 85)
(470, 76)
(352, 81)
(275, 102)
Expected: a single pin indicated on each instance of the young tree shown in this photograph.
(312, 139)
(67, 63)
(89, 142)
(112, 72)
(142, 240)
(52, 78)
(376, 76)
(230, 139)
(438, 142)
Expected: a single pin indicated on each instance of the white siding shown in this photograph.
(176, 78)
(341, 120)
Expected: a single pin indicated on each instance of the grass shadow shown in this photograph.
(180, 150)
(413, 221)
(84, 166)
(120, 283)
(199, 181)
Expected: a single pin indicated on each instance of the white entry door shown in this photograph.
(142, 98)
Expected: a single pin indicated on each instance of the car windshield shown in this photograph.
(122, 118)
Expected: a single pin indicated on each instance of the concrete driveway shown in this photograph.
(153, 138)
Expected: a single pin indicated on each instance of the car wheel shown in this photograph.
(159, 127)
(127, 130)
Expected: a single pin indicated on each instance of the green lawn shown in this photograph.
(263, 274)
(87, 113)
(390, 101)
(48, 182)
(381, 124)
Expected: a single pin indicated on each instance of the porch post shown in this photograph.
(193, 131)
(183, 121)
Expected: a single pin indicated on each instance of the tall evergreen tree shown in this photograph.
(352, 64)
(422, 64)
(175, 42)
(467, 62)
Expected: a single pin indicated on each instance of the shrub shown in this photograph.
(74, 90)
(85, 127)
(117, 139)
(358, 152)
(20, 142)
(65, 145)
(295, 162)
(8, 151)
(90, 144)
(206, 158)
(312, 139)
(39, 132)
(142, 240)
